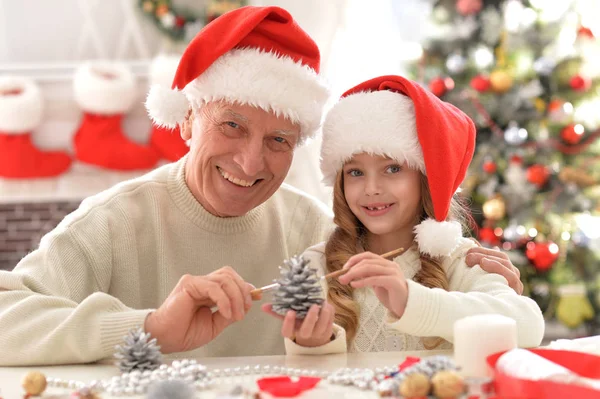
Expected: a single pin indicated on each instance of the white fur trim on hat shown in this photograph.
(437, 238)
(250, 76)
(20, 110)
(378, 122)
(162, 70)
(105, 88)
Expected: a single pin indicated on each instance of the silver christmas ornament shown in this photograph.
(299, 288)
(515, 135)
(456, 63)
(139, 352)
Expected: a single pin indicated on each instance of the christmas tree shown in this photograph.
(528, 74)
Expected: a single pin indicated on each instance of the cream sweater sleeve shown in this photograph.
(316, 256)
(53, 306)
(432, 312)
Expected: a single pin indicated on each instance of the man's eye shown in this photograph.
(233, 124)
(280, 140)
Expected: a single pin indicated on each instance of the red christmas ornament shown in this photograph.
(585, 32)
(542, 254)
(572, 134)
(488, 236)
(440, 86)
(179, 21)
(538, 174)
(481, 83)
(580, 83)
(516, 159)
(468, 7)
(490, 167)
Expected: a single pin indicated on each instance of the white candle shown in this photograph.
(477, 337)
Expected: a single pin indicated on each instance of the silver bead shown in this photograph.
(305, 372)
(176, 364)
(135, 374)
(185, 363)
(313, 373)
(163, 367)
(257, 369)
(217, 372)
(266, 369)
(227, 371)
(247, 370)
(193, 361)
(146, 373)
(237, 371)
(276, 369)
(129, 390)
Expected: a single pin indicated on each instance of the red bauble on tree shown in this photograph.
(538, 174)
(542, 254)
(440, 86)
(572, 134)
(580, 83)
(585, 33)
(487, 235)
(481, 83)
(490, 167)
(468, 7)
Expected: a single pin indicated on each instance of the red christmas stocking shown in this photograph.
(168, 143)
(105, 92)
(20, 112)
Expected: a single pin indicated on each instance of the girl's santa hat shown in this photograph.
(395, 117)
(252, 55)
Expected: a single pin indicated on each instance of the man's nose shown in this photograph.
(251, 158)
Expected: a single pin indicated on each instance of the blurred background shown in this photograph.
(527, 72)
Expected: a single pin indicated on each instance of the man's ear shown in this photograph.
(186, 128)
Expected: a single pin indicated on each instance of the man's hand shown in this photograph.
(494, 261)
(185, 320)
(315, 330)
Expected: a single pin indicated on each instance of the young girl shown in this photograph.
(395, 155)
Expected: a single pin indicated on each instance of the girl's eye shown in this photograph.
(393, 169)
(355, 172)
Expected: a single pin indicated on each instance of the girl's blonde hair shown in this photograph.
(349, 235)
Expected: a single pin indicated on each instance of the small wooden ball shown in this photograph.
(447, 384)
(415, 385)
(34, 383)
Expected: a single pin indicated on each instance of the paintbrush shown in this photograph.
(256, 294)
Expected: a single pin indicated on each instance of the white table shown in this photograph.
(10, 377)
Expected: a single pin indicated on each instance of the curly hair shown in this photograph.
(349, 236)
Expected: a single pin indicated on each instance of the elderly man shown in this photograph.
(150, 252)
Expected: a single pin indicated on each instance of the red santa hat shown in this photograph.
(395, 117)
(252, 55)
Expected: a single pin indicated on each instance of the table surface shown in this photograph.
(10, 377)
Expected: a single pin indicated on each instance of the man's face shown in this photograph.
(239, 156)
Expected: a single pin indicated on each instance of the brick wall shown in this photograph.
(22, 225)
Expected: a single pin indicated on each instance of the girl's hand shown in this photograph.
(384, 276)
(315, 330)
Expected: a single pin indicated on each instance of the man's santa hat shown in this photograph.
(395, 117)
(253, 55)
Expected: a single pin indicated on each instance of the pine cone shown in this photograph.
(299, 288)
(138, 353)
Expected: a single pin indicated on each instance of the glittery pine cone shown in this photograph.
(299, 288)
(139, 352)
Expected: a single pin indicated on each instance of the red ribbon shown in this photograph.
(285, 387)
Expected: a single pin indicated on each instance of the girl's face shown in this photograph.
(383, 194)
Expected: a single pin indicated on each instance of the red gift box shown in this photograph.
(583, 364)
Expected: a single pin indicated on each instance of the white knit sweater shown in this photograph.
(118, 256)
(430, 312)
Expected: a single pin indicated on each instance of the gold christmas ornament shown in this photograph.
(500, 81)
(415, 385)
(580, 177)
(447, 384)
(495, 208)
(34, 383)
